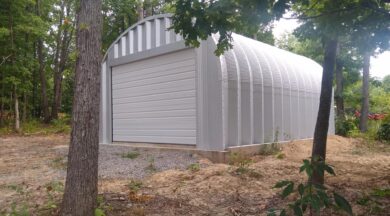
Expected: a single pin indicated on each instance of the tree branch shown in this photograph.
(5, 59)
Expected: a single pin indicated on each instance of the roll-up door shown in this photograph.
(154, 100)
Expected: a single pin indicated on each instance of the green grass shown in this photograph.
(131, 155)
(36, 127)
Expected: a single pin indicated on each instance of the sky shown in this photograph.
(380, 65)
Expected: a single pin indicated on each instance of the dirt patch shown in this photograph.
(32, 174)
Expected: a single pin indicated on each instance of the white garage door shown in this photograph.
(154, 100)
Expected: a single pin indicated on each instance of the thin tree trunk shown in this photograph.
(42, 74)
(140, 10)
(82, 174)
(148, 8)
(2, 100)
(339, 91)
(58, 73)
(322, 125)
(17, 119)
(35, 83)
(24, 115)
(365, 93)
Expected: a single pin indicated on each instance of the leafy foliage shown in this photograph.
(197, 20)
(312, 197)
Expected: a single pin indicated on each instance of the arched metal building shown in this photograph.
(157, 90)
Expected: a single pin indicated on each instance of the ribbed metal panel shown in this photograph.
(273, 94)
(148, 34)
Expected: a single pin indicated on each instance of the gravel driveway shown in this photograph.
(120, 161)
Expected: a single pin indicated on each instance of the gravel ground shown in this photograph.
(114, 162)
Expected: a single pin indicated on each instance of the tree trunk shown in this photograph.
(365, 93)
(339, 91)
(17, 120)
(82, 174)
(35, 83)
(2, 100)
(140, 10)
(322, 125)
(24, 115)
(148, 8)
(42, 74)
(64, 43)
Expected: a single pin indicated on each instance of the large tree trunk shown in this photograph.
(365, 93)
(339, 91)
(322, 125)
(82, 174)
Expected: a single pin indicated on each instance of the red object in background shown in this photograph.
(372, 116)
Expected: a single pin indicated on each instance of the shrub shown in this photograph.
(345, 127)
(383, 133)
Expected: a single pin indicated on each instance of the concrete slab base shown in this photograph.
(214, 156)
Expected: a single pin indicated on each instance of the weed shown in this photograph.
(151, 167)
(311, 196)
(18, 188)
(131, 155)
(240, 160)
(373, 201)
(269, 149)
(59, 163)
(381, 192)
(134, 185)
(19, 210)
(195, 167)
(280, 155)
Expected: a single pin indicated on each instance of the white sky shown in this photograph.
(380, 65)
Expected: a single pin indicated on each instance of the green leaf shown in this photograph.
(271, 212)
(329, 169)
(288, 190)
(283, 213)
(316, 203)
(99, 212)
(324, 198)
(281, 184)
(297, 210)
(301, 189)
(342, 203)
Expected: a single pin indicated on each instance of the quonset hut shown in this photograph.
(154, 89)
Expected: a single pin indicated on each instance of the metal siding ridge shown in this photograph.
(238, 140)
(262, 88)
(250, 90)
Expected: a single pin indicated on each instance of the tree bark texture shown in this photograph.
(140, 10)
(322, 125)
(365, 93)
(81, 189)
(42, 74)
(61, 59)
(24, 115)
(339, 91)
(17, 119)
